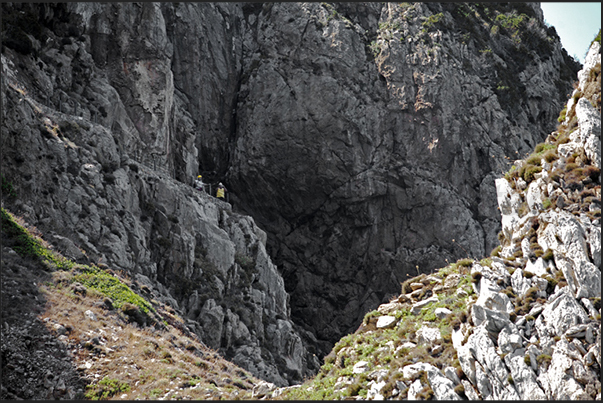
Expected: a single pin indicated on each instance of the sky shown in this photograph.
(576, 24)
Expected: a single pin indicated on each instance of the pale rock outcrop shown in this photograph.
(428, 335)
(558, 381)
(589, 134)
(442, 313)
(385, 322)
(262, 389)
(414, 389)
(374, 390)
(520, 283)
(562, 312)
(524, 378)
(491, 375)
(508, 202)
(537, 267)
(360, 367)
(442, 387)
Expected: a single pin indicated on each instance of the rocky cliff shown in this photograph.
(91, 145)
(363, 139)
(522, 324)
(369, 135)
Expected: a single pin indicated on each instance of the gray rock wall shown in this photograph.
(363, 138)
(368, 141)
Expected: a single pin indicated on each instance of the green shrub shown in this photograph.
(512, 173)
(543, 359)
(550, 156)
(533, 159)
(426, 393)
(370, 315)
(513, 317)
(527, 360)
(543, 147)
(548, 254)
(546, 203)
(106, 388)
(496, 251)
(509, 292)
(113, 288)
(465, 262)
(486, 262)
(523, 209)
(431, 20)
(529, 171)
(592, 172)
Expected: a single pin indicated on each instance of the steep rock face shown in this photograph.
(333, 125)
(92, 135)
(369, 137)
(522, 324)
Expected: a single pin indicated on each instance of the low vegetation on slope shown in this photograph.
(119, 342)
(378, 351)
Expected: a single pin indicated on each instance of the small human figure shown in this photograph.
(199, 185)
(220, 191)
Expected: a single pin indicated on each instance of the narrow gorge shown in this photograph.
(361, 144)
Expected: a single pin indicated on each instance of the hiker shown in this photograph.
(220, 191)
(199, 185)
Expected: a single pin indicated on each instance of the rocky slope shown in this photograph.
(85, 173)
(75, 331)
(363, 138)
(523, 324)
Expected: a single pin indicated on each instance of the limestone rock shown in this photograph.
(562, 312)
(416, 308)
(386, 321)
(428, 334)
(360, 367)
(556, 382)
(262, 389)
(442, 313)
(312, 119)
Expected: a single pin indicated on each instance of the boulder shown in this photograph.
(492, 320)
(262, 389)
(385, 309)
(385, 322)
(442, 313)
